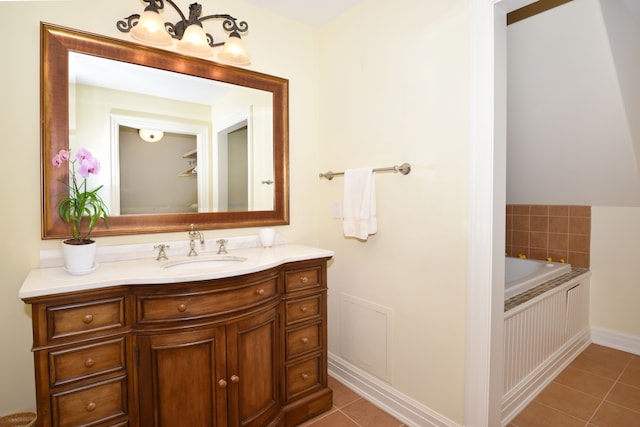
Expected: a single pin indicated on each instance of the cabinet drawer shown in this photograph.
(194, 305)
(302, 309)
(90, 405)
(303, 377)
(84, 318)
(302, 279)
(303, 340)
(86, 361)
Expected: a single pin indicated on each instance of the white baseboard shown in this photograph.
(615, 339)
(386, 397)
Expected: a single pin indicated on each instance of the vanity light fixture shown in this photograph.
(192, 39)
(149, 135)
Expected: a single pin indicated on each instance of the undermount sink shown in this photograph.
(203, 262)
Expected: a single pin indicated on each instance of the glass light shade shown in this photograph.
(194, 42)
(234, 52)
(150, 29)
(150, 135)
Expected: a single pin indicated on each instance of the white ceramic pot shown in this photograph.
(79, 259)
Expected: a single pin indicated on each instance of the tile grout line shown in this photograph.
(610, 389)
(351, 419)
(561, 411)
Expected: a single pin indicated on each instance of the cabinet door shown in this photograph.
(182, 379)
(253, 369)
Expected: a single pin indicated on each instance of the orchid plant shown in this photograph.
(80, 202)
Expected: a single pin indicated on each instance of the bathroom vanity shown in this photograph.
(136, 344)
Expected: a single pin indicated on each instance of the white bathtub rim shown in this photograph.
(546, 271)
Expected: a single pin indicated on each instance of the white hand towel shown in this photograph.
(359, 207)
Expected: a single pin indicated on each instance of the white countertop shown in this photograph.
(55, 280)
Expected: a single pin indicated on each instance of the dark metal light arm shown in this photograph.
(175, 6)
(229, 23)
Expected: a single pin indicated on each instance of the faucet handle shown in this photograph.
(222, 249)
(162, 256)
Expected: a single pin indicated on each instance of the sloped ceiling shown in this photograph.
(573, 105)
(622, 21)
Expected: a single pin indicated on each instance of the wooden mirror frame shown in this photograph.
(55, 44)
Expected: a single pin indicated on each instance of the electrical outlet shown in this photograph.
(336, 209)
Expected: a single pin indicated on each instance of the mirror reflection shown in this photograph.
(97, 104)
(216, 149)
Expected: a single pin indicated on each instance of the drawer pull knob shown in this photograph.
(260, 291)
(88, 318)
(182, 308)
(304, 340)
(235, 379)
(304, 376)
(304, 309)
(222, 383)
(91, 407)
(304, 279)
(89, 362)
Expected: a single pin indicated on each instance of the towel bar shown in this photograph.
(404, 169)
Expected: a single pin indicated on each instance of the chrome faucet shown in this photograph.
(162, 255)
(222, 249)
(193, 235)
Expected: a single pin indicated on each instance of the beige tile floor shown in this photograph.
(600, 388)
(351, 410)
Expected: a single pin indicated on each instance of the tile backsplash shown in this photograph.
(559, 232)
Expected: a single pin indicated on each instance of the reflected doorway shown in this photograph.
(238, 167)
(158, 176)
(233, 157)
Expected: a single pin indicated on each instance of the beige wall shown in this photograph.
(392, 94)
(615, 292)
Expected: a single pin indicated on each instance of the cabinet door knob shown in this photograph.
(89, 362)
(222, 383)
(182, 308)
(304, 309)
(88, 318)
(304, 279)
(91, 406)
(260, 291)
(235, 379)
(304, 376)
(304, 340)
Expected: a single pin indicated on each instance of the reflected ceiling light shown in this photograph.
(149, 135)
(193, 40)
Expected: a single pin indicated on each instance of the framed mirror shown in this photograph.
(225, 133)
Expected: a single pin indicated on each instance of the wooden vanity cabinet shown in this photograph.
(83, 358)
(241, 351)
(223, 375)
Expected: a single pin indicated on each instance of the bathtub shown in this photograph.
(524, 274)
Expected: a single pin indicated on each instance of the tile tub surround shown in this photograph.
(530, 294)
(556, 231)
